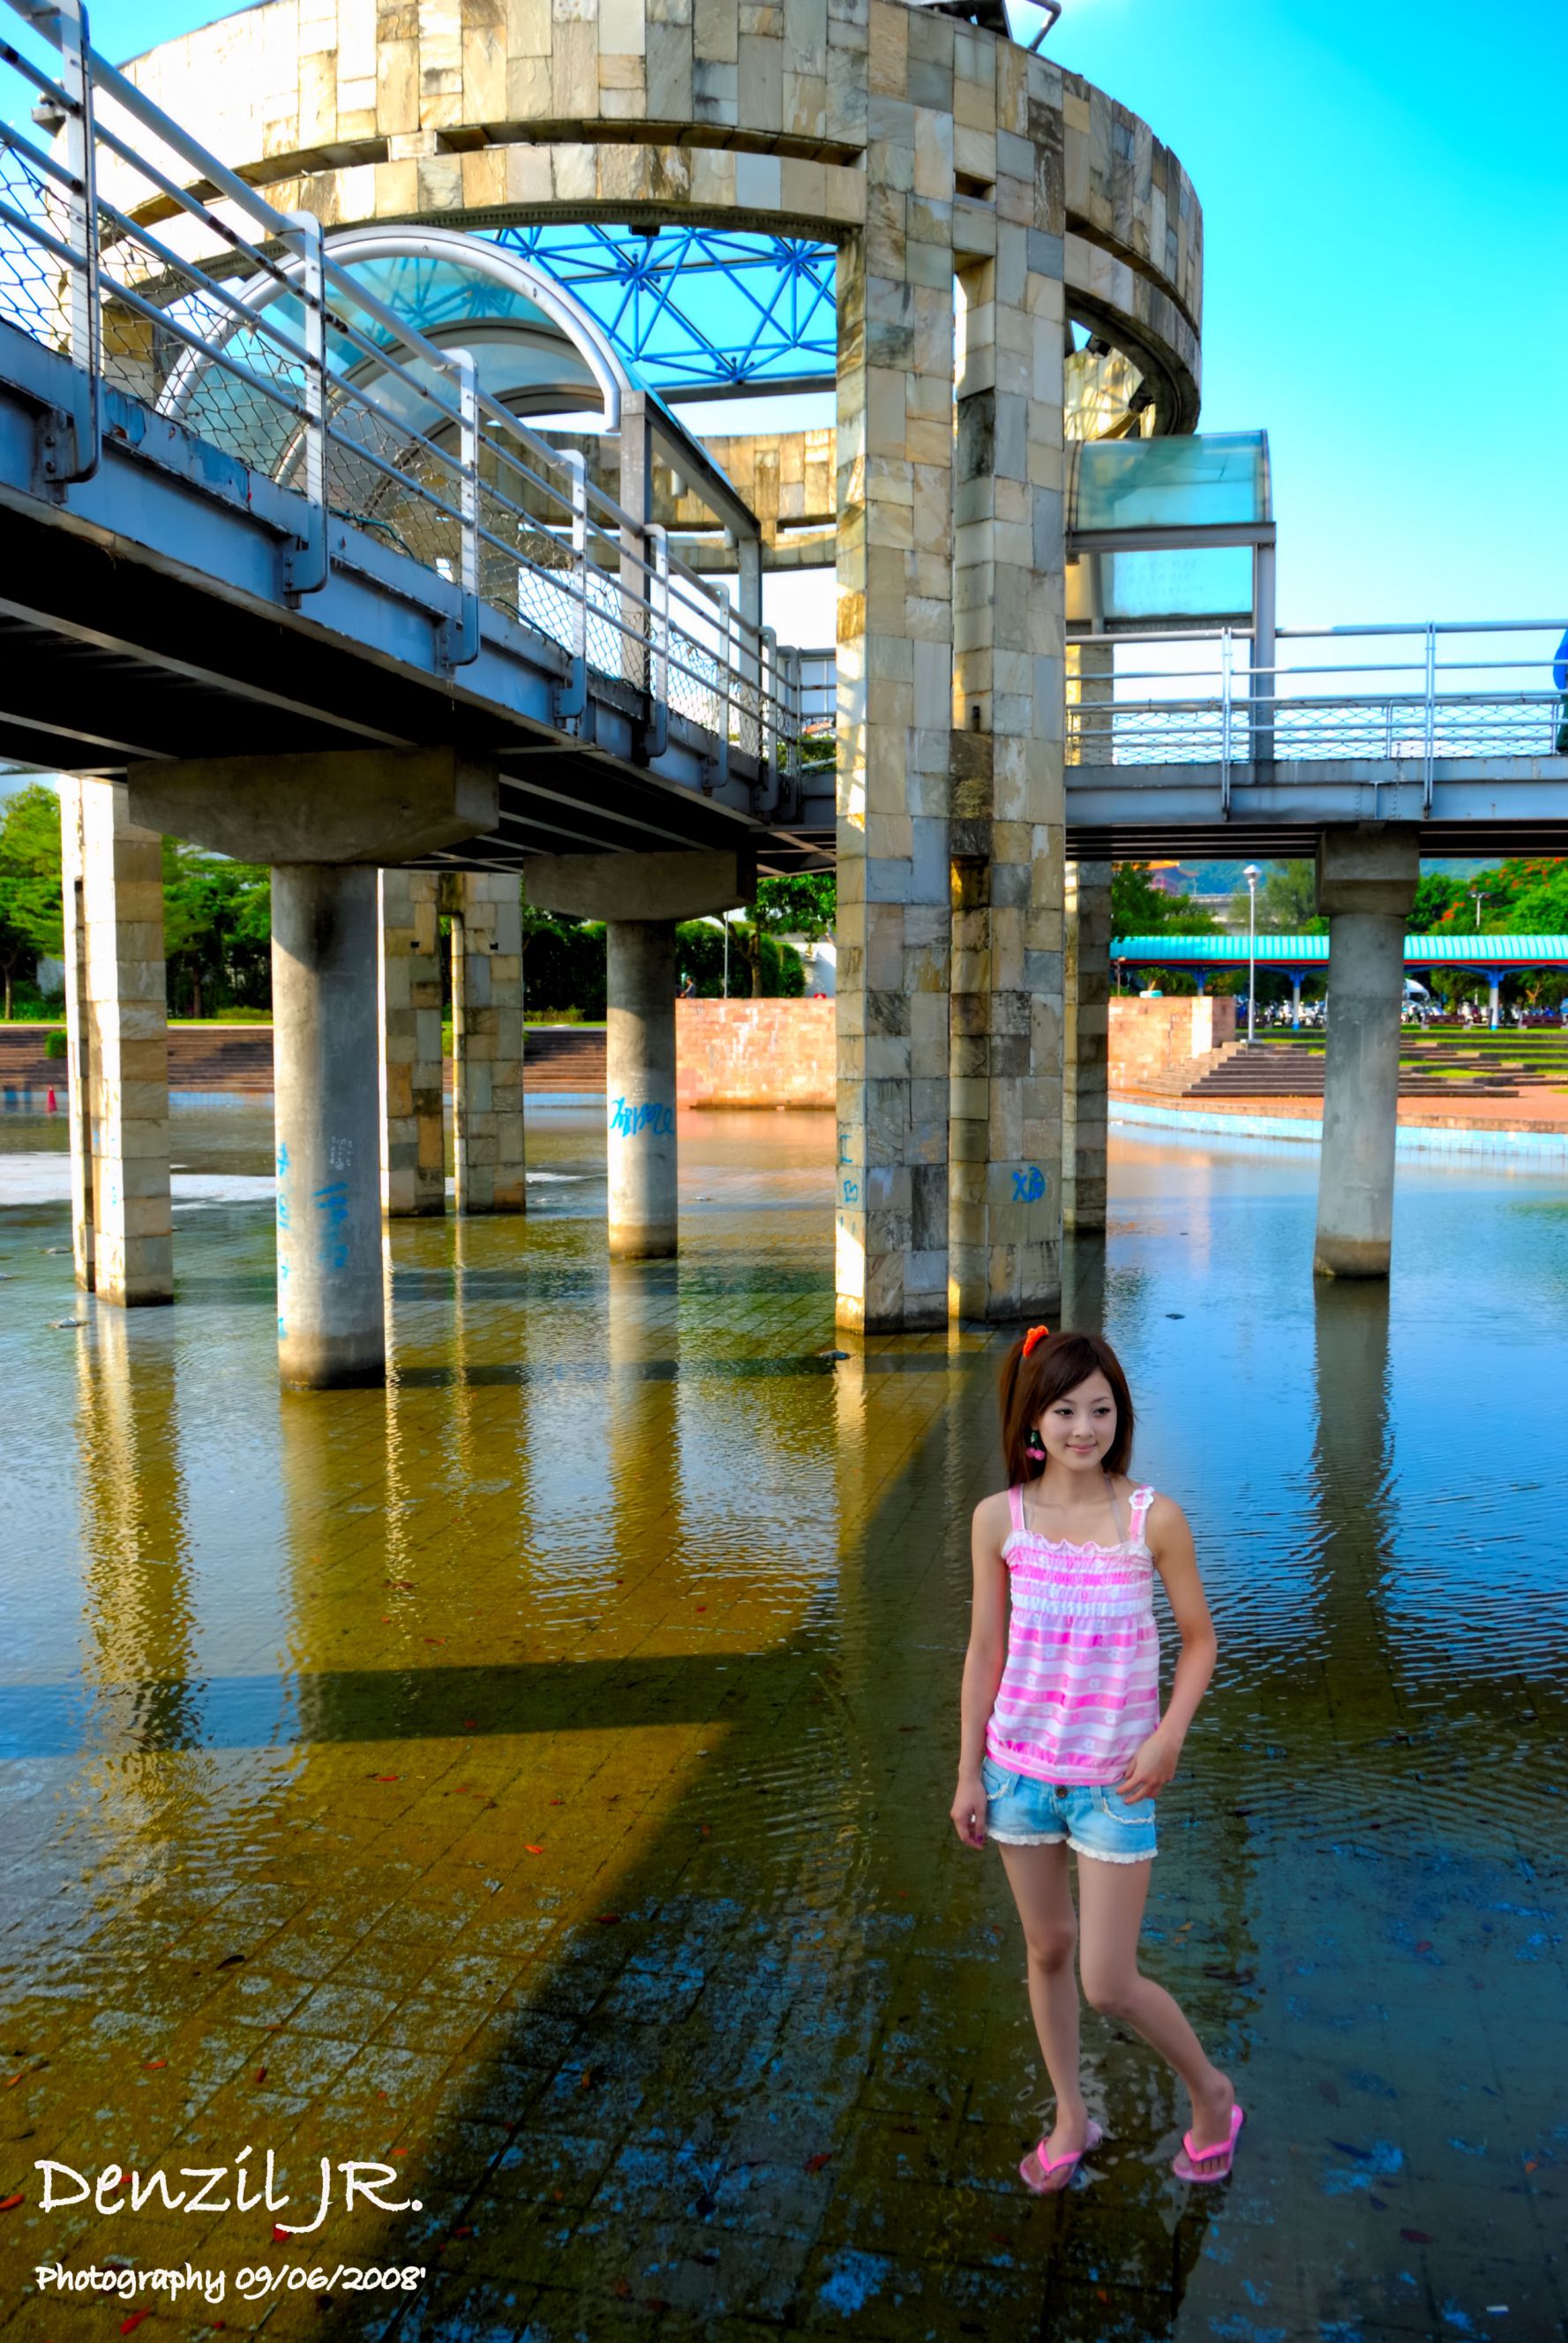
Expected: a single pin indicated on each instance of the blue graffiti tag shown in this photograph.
(332, 1204)
(852, 1192)
(1027, 1185)
(630, 1122)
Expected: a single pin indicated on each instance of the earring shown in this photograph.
(1034, 1447)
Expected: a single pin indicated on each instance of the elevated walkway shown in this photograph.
(251, 503)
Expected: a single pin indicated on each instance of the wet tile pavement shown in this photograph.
(535, 1779)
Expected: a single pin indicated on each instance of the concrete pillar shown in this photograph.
(330, 1308)
(1366, 884)
(1008, 799)
(413, 1140)
(639, 1058)
(78, 1052)
(1086, 1046)
(488, 1145)
(122, 1224)
(894, 453)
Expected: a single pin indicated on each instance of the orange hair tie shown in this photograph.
(1035, 1334)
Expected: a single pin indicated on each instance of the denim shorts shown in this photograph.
(1092, 1819)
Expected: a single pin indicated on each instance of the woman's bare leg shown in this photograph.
(1038, 1877)
(1110, 1897)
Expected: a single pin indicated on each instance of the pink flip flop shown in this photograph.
(1184, 2163)
(1050, 2164)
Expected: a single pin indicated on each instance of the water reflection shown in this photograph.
(630, 1912)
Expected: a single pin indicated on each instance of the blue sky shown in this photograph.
(1385, 199)
(1385, 195)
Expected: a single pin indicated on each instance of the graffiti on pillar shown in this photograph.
(631, 1121)
(332, 1204)
(852, 1192)
(1028, 1184)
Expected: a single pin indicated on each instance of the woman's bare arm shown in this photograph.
(983, 1660)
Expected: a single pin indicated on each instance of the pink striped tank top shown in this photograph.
(1080, 1689)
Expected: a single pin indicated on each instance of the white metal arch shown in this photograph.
(511, 271)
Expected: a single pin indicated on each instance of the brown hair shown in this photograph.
(1052, 1368)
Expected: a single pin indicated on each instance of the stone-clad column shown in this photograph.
(122, 1225)
(1008, 799)
(488, 1043)
(894, 652)
(1366, 883)
(413, 1153)
(1086, 1046)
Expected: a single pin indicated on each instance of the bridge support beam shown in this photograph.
(488, 1143)
(412, 1139)
(1005, 1194)
(119, 1063)
(331, 1329)
(1086, 1047)
(1366, 884)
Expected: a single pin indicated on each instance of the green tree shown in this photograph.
(218, 930)
(1139, 908)
(31, 916)
(1437, 895)
(803, 904)
(1287, 903)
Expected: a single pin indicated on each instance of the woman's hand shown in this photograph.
(969, 1810)
(1151, 1766)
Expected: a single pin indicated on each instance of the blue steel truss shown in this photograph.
(696, 308)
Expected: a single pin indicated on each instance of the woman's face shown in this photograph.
(1079, 1428)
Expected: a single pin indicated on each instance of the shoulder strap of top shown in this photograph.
(1141, 1501)
(1015, 1499)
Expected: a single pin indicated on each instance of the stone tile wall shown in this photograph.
(754, 1053)
(413, 1153)
(487, 1041)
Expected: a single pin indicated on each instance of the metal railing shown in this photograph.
(1422, 692)
(127, 247)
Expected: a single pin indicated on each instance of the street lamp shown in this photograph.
(1479, 895)
(1251, 874)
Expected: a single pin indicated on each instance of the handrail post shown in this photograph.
(768, 729)
(459, 643)
(1426, 769)
(571, 696)
(1226, 688)
(725, 671)
(306, 559)
(73, 454)
(658, 641)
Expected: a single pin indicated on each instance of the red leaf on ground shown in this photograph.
(463, 2233)
(702, 1606)
(558, 1802)
(608, 1918)
(129, 2326)
(151, 2063)
(814, 2162)
(471, 1724)
(1417, 2237)
(533, 1850)
(386, 1777)
(9, 2204)
(706, 1828)
(280, 2235)
(261, 2074)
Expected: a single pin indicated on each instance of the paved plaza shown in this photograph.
(536, 1776)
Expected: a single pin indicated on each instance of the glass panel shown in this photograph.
(1181, 584)
(1203, 481)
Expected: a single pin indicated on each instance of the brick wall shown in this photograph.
(754, 1053)
(1151, 1038)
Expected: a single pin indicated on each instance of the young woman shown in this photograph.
(1062, 1743)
